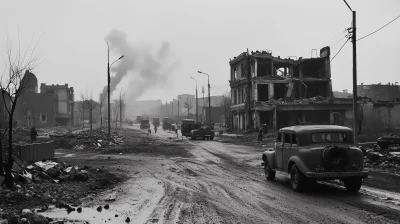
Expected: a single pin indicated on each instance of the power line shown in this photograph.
(379, 28)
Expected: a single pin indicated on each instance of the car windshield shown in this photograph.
(329, 137)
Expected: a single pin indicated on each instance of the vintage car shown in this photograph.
(385, 141)
(204, 132)
(144, 124)
(187, 126)
(316, 152)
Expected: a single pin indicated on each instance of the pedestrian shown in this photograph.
(155, 129)
(33, 133)
(176, 131)
(149, 132)
(260, 134)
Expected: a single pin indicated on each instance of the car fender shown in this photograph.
(296, 160)
(270, 156)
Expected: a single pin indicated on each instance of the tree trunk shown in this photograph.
(9, 178)
(90, 117)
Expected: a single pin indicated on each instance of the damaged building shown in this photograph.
(283, 92)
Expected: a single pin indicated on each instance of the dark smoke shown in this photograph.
(144, 69)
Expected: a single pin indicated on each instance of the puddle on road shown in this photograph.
(136, 199)
(88, 215)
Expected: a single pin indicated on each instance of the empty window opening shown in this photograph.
(264, 68)
(314, 68)
(280, 90)
(316, 89)
(262, 91)
(43, 118)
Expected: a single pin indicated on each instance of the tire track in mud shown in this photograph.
(266, 199)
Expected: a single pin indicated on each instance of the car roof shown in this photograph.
(313, 128)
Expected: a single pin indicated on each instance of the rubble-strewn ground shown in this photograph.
(170, 180)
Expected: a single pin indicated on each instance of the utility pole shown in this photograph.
(172, 108)
(249, 117)
(355, 98)
(204, 102)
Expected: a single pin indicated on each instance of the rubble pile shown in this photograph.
(387, 159)
(312, 100)
(94, 139)
(48, 172)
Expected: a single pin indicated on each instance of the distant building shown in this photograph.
(33, 108)
(65, 102)
(378, 92)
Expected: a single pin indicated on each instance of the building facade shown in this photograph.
(64, 103)
(282, 92)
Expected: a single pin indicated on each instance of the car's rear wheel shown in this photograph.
(269, 173)
(297, 179)
(353, 184)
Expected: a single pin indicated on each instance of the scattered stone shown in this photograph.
(25, 211)
(99, 209)
(106, 206)
(128, 220)
(79, 210)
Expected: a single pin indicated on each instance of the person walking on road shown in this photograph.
(155, 129)
(260, 134)
(149, 132)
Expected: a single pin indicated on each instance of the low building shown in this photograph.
(281, 92)
(379, 92)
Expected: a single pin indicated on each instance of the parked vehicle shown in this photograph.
(138, 119)
(204, 132)
(144, 124)
(385, 141)
(166, 124)
(187, 126)
(316, 152)
(156, 121)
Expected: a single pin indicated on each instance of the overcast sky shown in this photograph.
(201, 35)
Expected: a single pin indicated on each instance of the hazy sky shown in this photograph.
(201, 35)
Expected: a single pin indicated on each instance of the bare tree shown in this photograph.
(188, 104)
(226, 107)
(13, 84)
(90, 104)
(102, 102)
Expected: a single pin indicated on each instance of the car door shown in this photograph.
(287, 149)
(279, 150)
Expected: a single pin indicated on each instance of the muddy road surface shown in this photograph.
(225, 183)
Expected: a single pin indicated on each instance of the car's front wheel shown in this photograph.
(269, 173)
(353, 184)
(297, 179)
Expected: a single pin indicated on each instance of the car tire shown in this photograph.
(211, 138)
(204, 138)
(297, 179)
(353, 185)
(192, 138)
(269, 173)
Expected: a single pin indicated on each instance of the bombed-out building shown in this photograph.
(282, 92)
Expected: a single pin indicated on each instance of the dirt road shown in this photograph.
(224, 183)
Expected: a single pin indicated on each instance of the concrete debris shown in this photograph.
(50, 171)
(383, 159)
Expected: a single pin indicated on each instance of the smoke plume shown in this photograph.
(141, 67)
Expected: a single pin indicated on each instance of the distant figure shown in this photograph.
(149, 132)
(33, 134)
(260, 135)
(176, 131)
(155, 128)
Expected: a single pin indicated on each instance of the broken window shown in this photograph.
(43, 117)
(262, 92)
(234, 74)
(286, 138)
(279, 138)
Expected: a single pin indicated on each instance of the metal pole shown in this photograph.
(197, 105)
(120, 110)
(355, 105)
(108, 91)
(209, 101)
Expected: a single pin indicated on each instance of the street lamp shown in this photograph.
(209, 98)
(108, 87)
(197, 106)
(354, 40)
